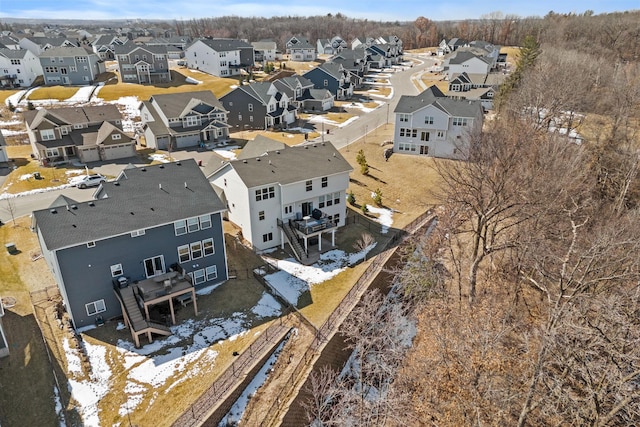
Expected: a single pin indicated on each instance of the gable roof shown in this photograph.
(129, 47)
(141, 198)
(334, 69)
(434, 96)
(264, 45)
(174, 104)
(225, 45)
(72, 115)
(259, 146)
(293, 164)
(464, 56)
(67, 51)
(13, 53)
(299, 42)
(257, 90)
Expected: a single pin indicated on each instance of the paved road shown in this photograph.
(402, 82)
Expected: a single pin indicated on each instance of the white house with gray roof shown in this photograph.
(292, 195)
(18, 68)
(299, 49)
(219, 57)
(181, 120)
(152, 236)
(434, 125)
(266, 50)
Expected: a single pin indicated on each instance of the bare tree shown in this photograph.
(10, 208)
(364, 243)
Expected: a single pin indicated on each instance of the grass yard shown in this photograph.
(512, 53)
(408, 201)
(300, 67)
(219, 86)
(22, 178)
(59, 93)
(26, 378)
(341, 117)
(5, 93)
(378, 90)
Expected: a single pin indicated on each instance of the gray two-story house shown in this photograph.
(88, 134)
(180, 120)
(334, 78)
(142, 64)
(259, 105)
(149, 238)
(70, 65)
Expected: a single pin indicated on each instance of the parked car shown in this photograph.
(85, 181)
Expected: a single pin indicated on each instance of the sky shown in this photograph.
(376, 10)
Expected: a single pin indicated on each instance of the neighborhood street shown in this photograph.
(401, 81)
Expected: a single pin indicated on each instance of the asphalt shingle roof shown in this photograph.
(142, 198)
(293, 164)
(434, 96)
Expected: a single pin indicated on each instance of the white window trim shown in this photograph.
(205, 221)
(212, 249)
(117, 271)
(98, 307)
(187, 253)
(212, 270)
(177, 226)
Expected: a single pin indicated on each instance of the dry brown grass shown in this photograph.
(379, 90)
(301, 67)
(512, 53)
(59, 93)
(5, 93)
(406, 180)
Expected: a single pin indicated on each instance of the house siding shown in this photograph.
(87, 274)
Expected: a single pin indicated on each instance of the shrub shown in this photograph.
(364, 209)
(377, 197)
(364, 169)
(351, 198)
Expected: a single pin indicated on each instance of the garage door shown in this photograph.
(187, 141)
(89, 155)
(113, 152)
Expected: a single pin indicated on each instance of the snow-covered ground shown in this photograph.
(385, 217)
(294, 279)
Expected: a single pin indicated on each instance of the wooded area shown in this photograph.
(527, 293)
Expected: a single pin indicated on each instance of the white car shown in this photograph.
(85, 181)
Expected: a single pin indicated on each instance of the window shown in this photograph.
(50, 69)
(183, 253)
(309, 185)
(250, 107)
(52, 152)
(265, 193)
(137, 233)
(116, 136)
(95, 307)
(267, 237)
(63, 71)
(191, 121)
(336, 198)
(15, 62)
(321, 202)
(47, 134)
(80, 59)
(288, 209)
(403, 117)
(326, 82)
(336, 218)
(205, 221)
(440, 134)
(196, 250)
(78, 126)
(193, 224)
(64, 130)
(91, 244)
(154, 266)
(459, 121)
(207, 247)
(424, 136)
(180, 227)
(116, 270)
(403, 146)
(325, 181)
(428, 120)
(211, 272)
(251, 119)
(409, 133)
(261, 215)
(198, 276)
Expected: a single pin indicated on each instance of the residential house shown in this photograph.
(258, 105)
(299, 49)
(104, 45)
(10, 42)
(292, 195)
(152, 236)
(476, 87)
(389, 48)
(266, 50)
(175, 45)
(37, 45)
(4, 157)
(220, 57)
(354, 61)
(70, 66)
(434, 125)
(303, 95)
(334, 78)
(86, 134)
(142, 64)
(18, 68)
(467, 62)
(185, 119)
(330, 46)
